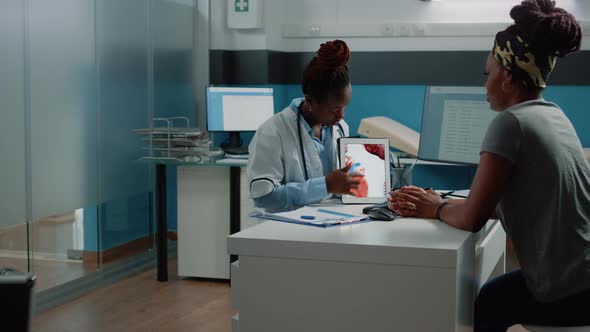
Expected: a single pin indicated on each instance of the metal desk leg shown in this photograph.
(161, 226)
(234, 203)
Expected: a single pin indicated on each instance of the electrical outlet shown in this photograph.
(403, 29)
(419, 30)
(388, 30)
(314, 30)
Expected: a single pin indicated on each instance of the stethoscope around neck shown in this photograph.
(299, 116)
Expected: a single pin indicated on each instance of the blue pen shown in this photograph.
(308, 217)
(336, 213)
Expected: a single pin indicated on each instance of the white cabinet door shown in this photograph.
(490, 257)
(203, 219)
(203, 222)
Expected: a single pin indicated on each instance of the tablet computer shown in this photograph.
(369, 156)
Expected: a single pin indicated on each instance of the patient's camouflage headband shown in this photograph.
(515, 54)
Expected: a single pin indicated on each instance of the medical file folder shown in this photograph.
(314, 216)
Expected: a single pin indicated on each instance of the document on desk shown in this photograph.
(320, 216)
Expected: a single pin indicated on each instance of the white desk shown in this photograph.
(405, 275)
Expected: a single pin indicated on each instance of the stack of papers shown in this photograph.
(232, 161)
(175, 142)
(314, 216)
(237, 156)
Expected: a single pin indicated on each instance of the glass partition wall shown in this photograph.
(76, 77)
(13, 221)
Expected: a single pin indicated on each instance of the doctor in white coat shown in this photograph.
(293, 155)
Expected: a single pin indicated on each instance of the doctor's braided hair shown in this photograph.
(327, 73)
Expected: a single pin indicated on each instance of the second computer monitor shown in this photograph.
(237, 109)
(454, 123)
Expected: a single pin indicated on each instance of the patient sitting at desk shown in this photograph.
(533, 174)
(293, 155)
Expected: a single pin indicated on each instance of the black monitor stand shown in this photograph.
(234, 144)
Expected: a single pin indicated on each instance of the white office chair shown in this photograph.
(532, 328)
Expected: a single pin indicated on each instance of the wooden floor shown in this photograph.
(140, 303)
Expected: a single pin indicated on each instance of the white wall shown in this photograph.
(367, 25)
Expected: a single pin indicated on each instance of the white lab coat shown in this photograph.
(275, 155)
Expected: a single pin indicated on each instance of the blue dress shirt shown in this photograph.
(295, 194)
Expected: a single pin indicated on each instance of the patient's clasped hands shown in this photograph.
(412, 201)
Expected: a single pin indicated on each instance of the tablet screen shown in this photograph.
(370, 157)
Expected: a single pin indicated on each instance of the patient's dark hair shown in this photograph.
(548, 29)
(327, 73)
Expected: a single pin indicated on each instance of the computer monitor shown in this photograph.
(454, 122)
(236, 109)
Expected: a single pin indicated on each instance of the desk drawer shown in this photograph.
(490, 253)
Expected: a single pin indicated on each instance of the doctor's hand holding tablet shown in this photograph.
(344, 180)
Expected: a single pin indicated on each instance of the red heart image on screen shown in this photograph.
(376, 149)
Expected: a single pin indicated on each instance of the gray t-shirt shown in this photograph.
(545, 209)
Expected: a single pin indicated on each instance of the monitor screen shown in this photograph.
(454, 123)
(238, 109)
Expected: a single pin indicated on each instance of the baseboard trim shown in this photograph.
(69, 291)
(130, 248)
